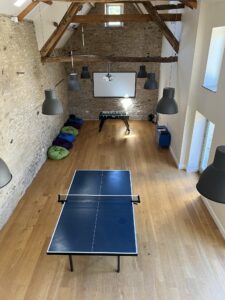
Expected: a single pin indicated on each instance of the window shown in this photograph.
(114, 9)
(215, 59)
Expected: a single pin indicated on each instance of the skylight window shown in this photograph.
(114, 9)
(215, 59)
(19, 3)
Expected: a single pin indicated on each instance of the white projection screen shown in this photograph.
(121, 85)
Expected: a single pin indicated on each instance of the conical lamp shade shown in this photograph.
(73, 83)
(5, 175)
(85, 73)
(211, 183)
(51, 105)
(151, 83)
(167, 105)
(142, 72)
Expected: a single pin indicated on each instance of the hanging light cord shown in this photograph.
(72, 60)
(83, 42)
(173, 52)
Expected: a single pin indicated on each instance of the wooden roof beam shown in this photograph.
(30, 7)
(97, 58)
(59, 31)
(163, 27)
(193, 2)
(169, 6)
(190, 3)
(95, 19)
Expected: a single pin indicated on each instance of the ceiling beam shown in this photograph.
(97, 58)
(160, 22)
(94, 19)
(190, 3)
(193, 2)
(169, 6)
(59, 31)
(29, 8)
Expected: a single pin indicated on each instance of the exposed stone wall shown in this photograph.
(25, 133)
(134, 39)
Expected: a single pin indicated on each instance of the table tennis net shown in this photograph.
(98, 198)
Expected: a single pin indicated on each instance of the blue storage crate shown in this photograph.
(163, 136)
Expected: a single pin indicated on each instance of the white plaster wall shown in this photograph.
(180, 78)
(190, 95)
(211, 105)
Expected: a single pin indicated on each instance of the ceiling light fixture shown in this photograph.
(151, 83)
(5, 175)
(167, 105)
(211, 183)
(73, 83)
(108, 76)
(142, 72)
(85, 73)
(51, 105)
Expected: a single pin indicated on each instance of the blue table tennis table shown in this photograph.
(97, 217)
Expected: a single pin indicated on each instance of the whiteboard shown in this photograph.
(121, 85)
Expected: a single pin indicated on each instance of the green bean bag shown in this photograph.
(70, 130)
(57, 152)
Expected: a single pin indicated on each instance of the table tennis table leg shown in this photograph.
(71, 263)
(101, 124)
(118, 264)
(127, 125)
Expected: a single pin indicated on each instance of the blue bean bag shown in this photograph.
(70, 130)
(62, 143)
(74, 119)
(67, 137)
(73, 124)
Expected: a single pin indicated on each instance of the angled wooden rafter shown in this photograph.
(169, 6)
(186, 2)
(94, 19)
(59, 31)
(190, 3)
(98, 58)
(163, 27)
(30, 7)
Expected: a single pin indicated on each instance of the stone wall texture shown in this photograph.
(25, 134)
(133, 39)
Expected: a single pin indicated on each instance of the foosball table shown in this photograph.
(120, 115)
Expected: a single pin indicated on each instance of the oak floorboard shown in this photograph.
(181, 252)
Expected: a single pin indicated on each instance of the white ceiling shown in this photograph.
(7, 7)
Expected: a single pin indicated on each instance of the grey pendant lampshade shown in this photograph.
(5, 175)
(151, 83)
(167, 105)
(73, 83)
(211, 183)
(85, 73)
(142, 72)
(51, 105)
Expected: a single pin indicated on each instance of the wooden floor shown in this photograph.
(181, 253)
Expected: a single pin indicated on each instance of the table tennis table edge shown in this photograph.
(81, 253)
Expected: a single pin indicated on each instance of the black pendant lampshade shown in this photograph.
(167, 105)
(142, 72)
(151, 83)
(211, 183)
(5, 175)
(85, 73)
(51, 105)
(73, 83)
